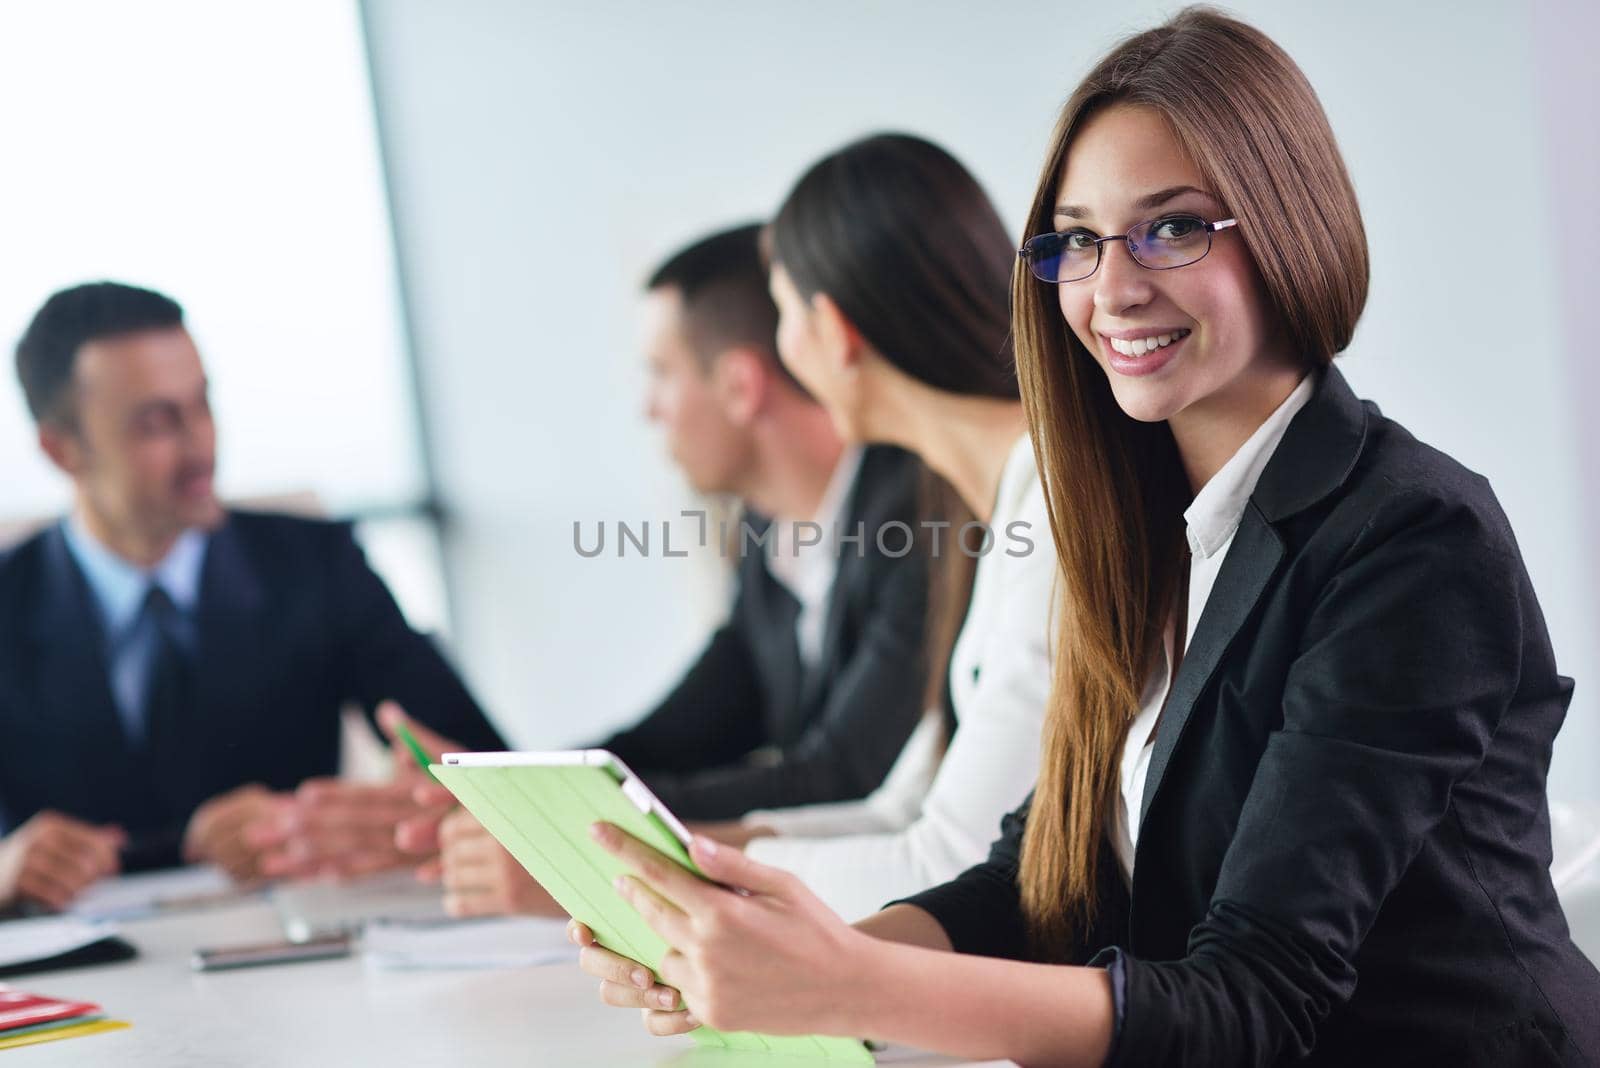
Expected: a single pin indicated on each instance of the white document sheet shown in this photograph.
(494, 942)
(332, 906)
(22, 941)
(148, 893)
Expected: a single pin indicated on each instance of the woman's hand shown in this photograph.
(771, 958)
(629, 984)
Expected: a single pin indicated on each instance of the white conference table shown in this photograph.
(343, 1012)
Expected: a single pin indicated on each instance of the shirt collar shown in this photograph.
(831, 506)
(1214, 514)
(808, 571)
(119, 587)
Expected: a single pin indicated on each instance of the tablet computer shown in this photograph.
(540, 807)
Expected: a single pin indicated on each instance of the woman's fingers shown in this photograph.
(614, 967)
(669, 1023)
(658, 998)
(665, 876)
(663, 917)
(729, 866)
(626, 983)
(676, 973)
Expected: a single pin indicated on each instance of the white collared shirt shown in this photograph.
(804, 559)
(1212, 519)
(119, 590)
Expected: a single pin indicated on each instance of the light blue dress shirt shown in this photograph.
(119, 590)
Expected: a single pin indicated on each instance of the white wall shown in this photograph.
(168, 145)
(542, 158)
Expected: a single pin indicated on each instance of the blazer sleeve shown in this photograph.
(981, 909)
(712, 717)
(1409, 659)
(379, 657)
(870, 710)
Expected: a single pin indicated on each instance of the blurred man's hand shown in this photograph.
(231, 830)
(390, 717)
(51, 858)
(481, 878)
(347, 829)
(337, 828)
(418, 836)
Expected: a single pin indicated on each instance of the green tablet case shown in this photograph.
(542, 814)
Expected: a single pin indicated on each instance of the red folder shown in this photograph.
(20, 1009)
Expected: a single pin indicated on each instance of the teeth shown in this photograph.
(1140, 346)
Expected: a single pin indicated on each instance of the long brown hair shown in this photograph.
(904, 240)
(1115, 488)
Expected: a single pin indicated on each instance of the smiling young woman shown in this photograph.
(1304, 698)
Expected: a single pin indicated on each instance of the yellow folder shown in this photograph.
(32, 1037)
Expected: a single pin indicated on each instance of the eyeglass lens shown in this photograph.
(1161, 244)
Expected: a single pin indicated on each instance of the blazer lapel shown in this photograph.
(74, 688)
(232, 626)
(1252, 558)
(828, 654)
(770, 611)
(845, 566)
(781, 610)
(1316, 455)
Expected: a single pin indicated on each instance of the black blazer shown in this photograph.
(747, 729)
(291, 624)
(1345, 844)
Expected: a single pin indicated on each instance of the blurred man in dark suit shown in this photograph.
(172, 671)
(811, 687)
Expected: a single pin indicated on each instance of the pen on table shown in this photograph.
(423, 759)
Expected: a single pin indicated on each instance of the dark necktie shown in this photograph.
(169, 691)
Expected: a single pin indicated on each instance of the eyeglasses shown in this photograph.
(1159, 245)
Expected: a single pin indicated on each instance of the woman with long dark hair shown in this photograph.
(1291, 802)
(904, 339)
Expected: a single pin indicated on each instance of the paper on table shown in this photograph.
(22, 941)
(147, 893)
(496, 942)
(320, 907)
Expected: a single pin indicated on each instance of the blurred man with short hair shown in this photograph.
(170, 670)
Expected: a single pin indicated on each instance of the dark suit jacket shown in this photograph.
(746, 729)
(291, 624)
(1345, 845)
